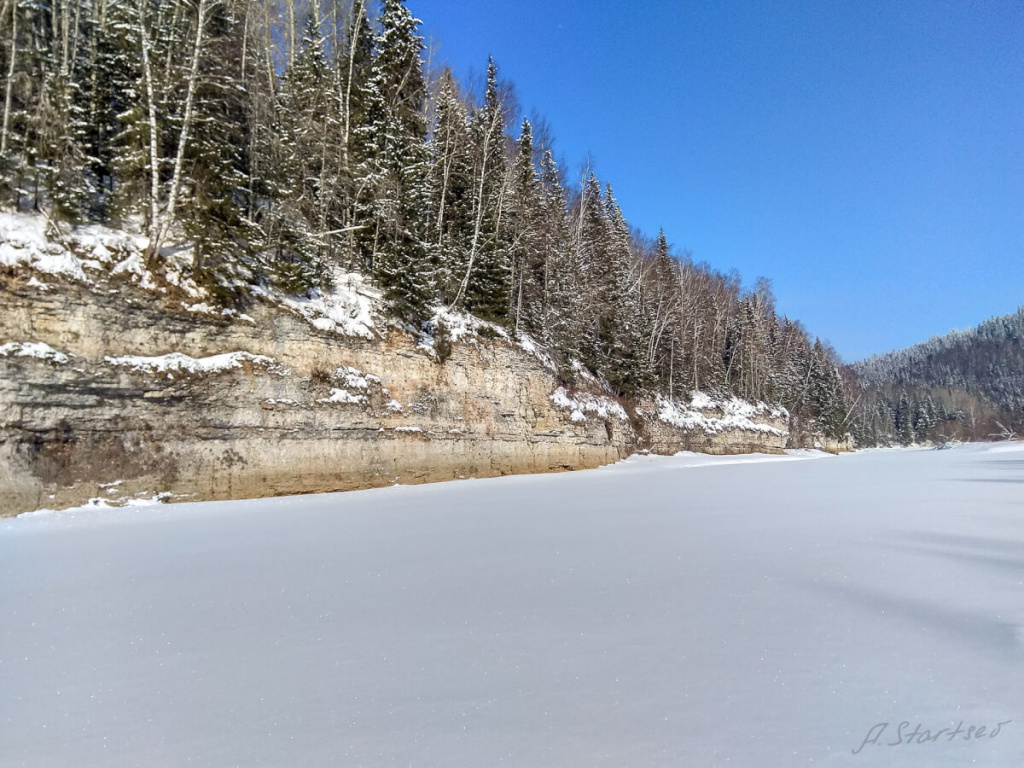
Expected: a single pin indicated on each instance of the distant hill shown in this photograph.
(967, 384)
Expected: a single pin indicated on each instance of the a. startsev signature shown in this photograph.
(921, 735)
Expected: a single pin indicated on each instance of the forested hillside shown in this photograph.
(965, 385)
(280, 141)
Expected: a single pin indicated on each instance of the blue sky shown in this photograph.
(866, 156)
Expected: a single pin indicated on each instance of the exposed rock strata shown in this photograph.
(298, 411)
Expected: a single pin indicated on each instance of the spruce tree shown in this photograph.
(595, 277)
(826, 393)
(355, 97)
(904, 420)
(527, 258)
(627, 365)
(217, 169)
(396, 166)
(307, 115)
(563, 302)
(121, 81)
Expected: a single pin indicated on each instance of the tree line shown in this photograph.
(966, 385)
(283, 140)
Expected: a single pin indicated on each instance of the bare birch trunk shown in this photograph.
(474, 244)
(65, 34)
(76, 29)
(205, 7)
(10, 78)
(357, 13)
(290, 7)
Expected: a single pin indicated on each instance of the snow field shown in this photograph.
(749, 611)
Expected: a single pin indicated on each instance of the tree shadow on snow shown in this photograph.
(990, 635)
(993, 553)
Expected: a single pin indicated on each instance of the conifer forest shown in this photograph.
(280, 140)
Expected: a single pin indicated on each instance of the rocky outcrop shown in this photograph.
(137, 397)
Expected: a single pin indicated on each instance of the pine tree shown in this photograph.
(41, 132)
(26, 67)
(662, 305)
(58, 150)
(110, 70)
(307, 115)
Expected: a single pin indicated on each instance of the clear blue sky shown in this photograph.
(866, 156)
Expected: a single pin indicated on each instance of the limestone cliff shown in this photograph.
(112, 390)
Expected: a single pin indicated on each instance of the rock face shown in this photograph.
(140, 398)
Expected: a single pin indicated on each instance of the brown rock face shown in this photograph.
(324, 413)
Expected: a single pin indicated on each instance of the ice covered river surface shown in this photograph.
(682, 611)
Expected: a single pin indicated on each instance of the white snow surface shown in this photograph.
(35, 282)
(32, 349)
(1013, 446)
(176, 362)
(27, 239)
(769, 612)
(735, 414)
(582, 403)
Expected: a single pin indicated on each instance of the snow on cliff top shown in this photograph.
(702, 412)
(27, 240)
(735, 414)
(351, 307)
(582, 403)
(464, 327)
(348, 308)
(23, 240)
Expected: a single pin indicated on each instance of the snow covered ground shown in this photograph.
(688, 611)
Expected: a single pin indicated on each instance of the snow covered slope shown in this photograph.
(768, 612)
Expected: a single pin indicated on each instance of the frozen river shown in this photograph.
(680, 611)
